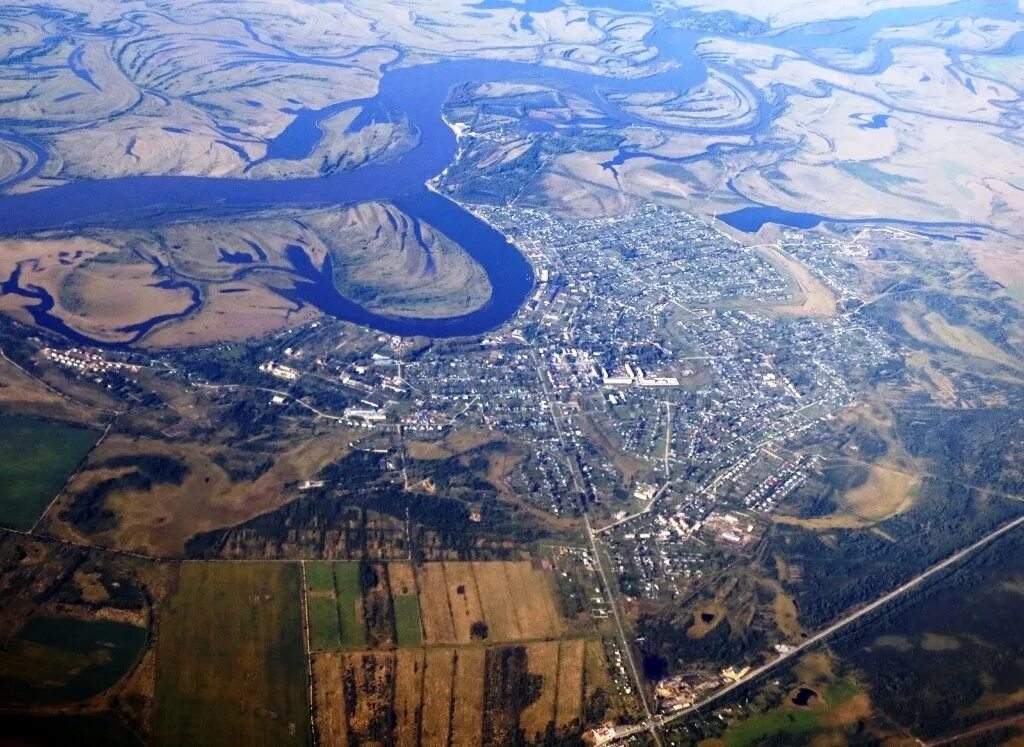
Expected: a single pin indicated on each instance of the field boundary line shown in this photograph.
(72, 476)
(309, 653)
(53, 390)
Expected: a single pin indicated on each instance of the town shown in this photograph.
(661, 392)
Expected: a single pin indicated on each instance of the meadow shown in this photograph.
(231, 663)
(38, 456)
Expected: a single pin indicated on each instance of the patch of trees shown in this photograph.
(479, 631)
(968, 445)
(25, 585)
(378, 610)
(939, 690)
(251, 418)
(447, 518)
(243, 470)
(669, 645)
(870, 446)
(850, 567)
(88, 509)
(844, 477)
(157, 467)
(356, 470)
(117, 580)
(502, 180)
(508, 689)
(457, 472)
(817, 503)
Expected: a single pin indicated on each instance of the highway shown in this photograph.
(831, 630)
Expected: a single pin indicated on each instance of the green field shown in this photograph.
(231, 664)
(407, 620)
(36, 457)
(350, 602)
(324, 630)
(319, 577)
(780, 721)
(790, 720)
(65, 660)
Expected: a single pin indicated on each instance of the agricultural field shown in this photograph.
(324, 629)
(494, 601)
(461, 695)
(319, 577)
(38, 456)
(383, 605)
(571, 682)
(438, 678)
(543, 666)
(408, 627)
(244, 678)
(442, 656)
(338, 597)
(350, 604)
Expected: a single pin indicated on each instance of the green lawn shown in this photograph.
(36, 457)
(780, 721)
(840, 691)
(319, 577)
(787, 720)
(350, 604)
(407, 620)
(324, 630)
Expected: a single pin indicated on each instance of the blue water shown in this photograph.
(417, 94)
(234, 258)
(877, 122)
(752, 219)
(79, 69)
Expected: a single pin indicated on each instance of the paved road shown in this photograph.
(626, 731)
(638, 683)
(1017, 720)
(851, 618)
(650, 721)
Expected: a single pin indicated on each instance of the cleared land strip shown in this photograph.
(853, 617)
(977, 731)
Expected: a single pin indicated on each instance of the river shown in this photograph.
(418, 94)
